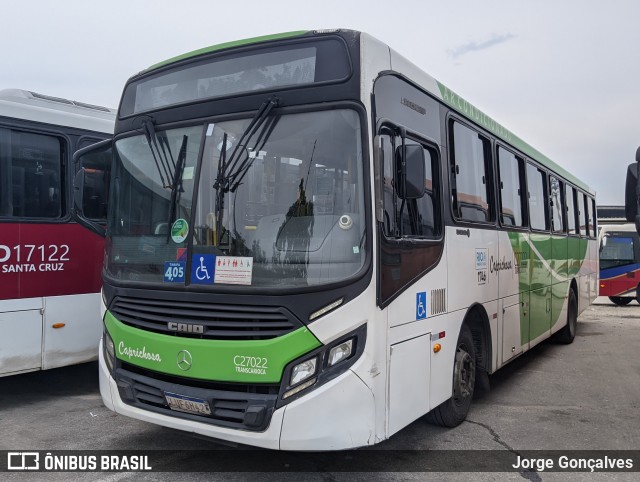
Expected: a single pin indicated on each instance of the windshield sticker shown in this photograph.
(187, 174)
(203, 269)
(179, 230)
(181, 254)
(234, 270)
(174, 271)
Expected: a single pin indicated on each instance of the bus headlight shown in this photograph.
(303, 370)
(321, 365)
(109, 350)
(340, 352)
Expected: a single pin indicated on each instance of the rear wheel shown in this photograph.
(620, 301)
(568, 333)
(453, 412)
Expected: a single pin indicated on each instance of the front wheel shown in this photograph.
(453, 412)
(620, 301)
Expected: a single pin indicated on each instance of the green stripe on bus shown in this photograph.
(227, 45)
(243, 361)
(538, 285)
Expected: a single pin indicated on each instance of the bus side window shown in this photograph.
(582, 223)
(538, 205)
(510, 188)
(470, 164)
(571, 209)
(30, 175)
(557, 221)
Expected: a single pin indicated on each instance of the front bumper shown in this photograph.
(337, 415)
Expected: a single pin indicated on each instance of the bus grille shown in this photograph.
(229, 408)
(205, 320)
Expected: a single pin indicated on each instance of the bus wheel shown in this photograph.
(620, 301)
(568, 333)
(453, 412)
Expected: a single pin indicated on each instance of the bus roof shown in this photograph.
(27, 105)
(226, 45)
(435, 88)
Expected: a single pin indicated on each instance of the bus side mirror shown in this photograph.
(91, 186)
(632, 193)
(410, 171)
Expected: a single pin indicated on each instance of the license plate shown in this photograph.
(182, 403)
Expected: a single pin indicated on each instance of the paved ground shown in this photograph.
(583, 396)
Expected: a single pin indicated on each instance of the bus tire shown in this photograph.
(568, 333)
(620, 301)
(453, 412)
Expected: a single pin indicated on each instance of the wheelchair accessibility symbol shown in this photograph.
(421, 305)
(202, 269)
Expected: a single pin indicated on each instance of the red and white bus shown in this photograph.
(49, 265)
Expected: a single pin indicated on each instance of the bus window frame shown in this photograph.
(428, 145)
(545, 185)
(575, 210)
(449, 120)
(563, 203)
(66, 176)
(524, 205)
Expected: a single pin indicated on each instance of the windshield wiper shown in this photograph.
(164, 165)
(169, 169)
(176, 186)
(232, 171)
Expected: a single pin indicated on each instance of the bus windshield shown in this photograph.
(292, 217)
(616, 250)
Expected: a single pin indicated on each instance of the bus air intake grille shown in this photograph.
(438, 301)
(205, 320)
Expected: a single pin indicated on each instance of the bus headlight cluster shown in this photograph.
(109, 350)
(322, 364)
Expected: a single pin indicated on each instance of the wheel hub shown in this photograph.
(463, 376)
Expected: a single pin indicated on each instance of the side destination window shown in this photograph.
(510, 170)
(538, 207)
(470, 161)
(557, 222)
(571, 210)
(410, 217)
(30, 175)
(582, 223)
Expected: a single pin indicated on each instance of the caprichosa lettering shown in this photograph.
(500, 265)
(141, 353)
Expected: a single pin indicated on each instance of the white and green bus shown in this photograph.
(311, 243)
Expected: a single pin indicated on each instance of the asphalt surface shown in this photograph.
(583, 396)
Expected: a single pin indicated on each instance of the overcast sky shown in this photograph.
(564, 75)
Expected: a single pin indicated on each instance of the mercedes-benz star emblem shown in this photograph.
(184, 360)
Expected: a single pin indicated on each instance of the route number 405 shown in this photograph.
(174, 272)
